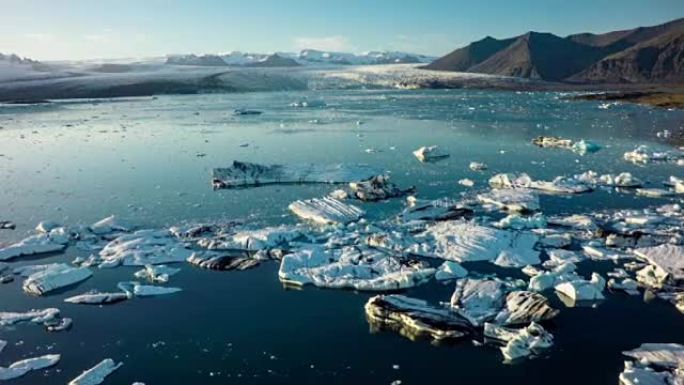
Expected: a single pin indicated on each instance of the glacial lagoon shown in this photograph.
(149, 161)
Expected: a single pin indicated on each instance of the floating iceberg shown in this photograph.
(624, 179)
(97, 298)
(352, 268)
(218, 261)
(523, 307)
(35, 244)
(326, 211)
(662, 355)
(144, 247)
(478, 300)
(463, 241)
(477, 166)
(583, 290)
(518, 199)
(109, 225)
(38, 316)
(450, 270)
(414, 318)
(436, 210)
(156, 273)
(22, 367)
(243, 174)
(376, 189)
(55, 277)
(135, 289)
(97, 374)
(669, 258)
(430, 154)
(559, 185)
(519, 343)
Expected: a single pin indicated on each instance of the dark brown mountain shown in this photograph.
(660, 59)
(645, 54)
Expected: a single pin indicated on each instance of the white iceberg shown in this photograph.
(97, 298)
(430, 154)
(450, 270)
(35, 244)
(326, 211)
(24, 366)
(144, 247)
(55, 277)
(583, 290)
(97, 374)
(156, 273)
(478, 300)
(511, 199)
(519, 343)
(243, 174)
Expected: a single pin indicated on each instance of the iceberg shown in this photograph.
(97, 298)
(22, 367)
(582, 290)
(326, 211)
(243, 174)
(135, 289)
(511, 199)
(450, 270)
(463, 241)
(523, 307)
(430, 154)
(414, 318)
(218, 261)
(668, 258)
(664, 355)
(352, 268)
(435, 210)
(55, 277)
(156, 273)
(35, 244)
(376, 188)
(519, 343)
(144, 247)
(97, 374)
(38, 316)
(478, 300)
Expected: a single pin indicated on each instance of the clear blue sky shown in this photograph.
(78, 29)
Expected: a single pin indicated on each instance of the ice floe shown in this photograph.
(478, 300)
(326, 211)
(135, 289)
(244, 174)
(523, 307)
(22, 367)
(144, 247)
(43, 243)
(97, 374)
(466, 241)
(352, 268)
(414, 318)
(97, 298)
(519, 199)
(435, 210)
(376, 188)
(559, 185)
(156, 273)
(581, 147)
(53, 277)
(623, 179)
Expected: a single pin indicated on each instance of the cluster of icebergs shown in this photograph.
(335, 246)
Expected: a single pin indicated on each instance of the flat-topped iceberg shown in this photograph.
(244, 174)
(55, 277)
(523, 307)
(414, 318)
(463, 241)
(478, 300)
(144, 247)
(36, 244)
(135, 289)
(97, 298)
(97, 374)
(352, 268)
(38, 316)
(560, 185)
(511, 199)
(669, 258)
(326, 211)
(24, 366)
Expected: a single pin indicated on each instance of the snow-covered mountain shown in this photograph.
(305, 57)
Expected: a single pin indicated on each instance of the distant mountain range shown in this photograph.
(305, 57)
(640, 55)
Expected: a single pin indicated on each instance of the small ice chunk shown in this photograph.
(156, 273)
(519, 222)
(523, 307)
(430, 154)
(654, 192)
(515, 200)
(109, 225)
(450, 270)
(466, 182)
(39, 316)
(519, 343)
(35, 244)
(97, 298)
(583, 290)
(135, 289)
(97, 374)
(665, 355)
(477, 166)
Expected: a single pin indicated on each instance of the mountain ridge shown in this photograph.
(577, 58)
